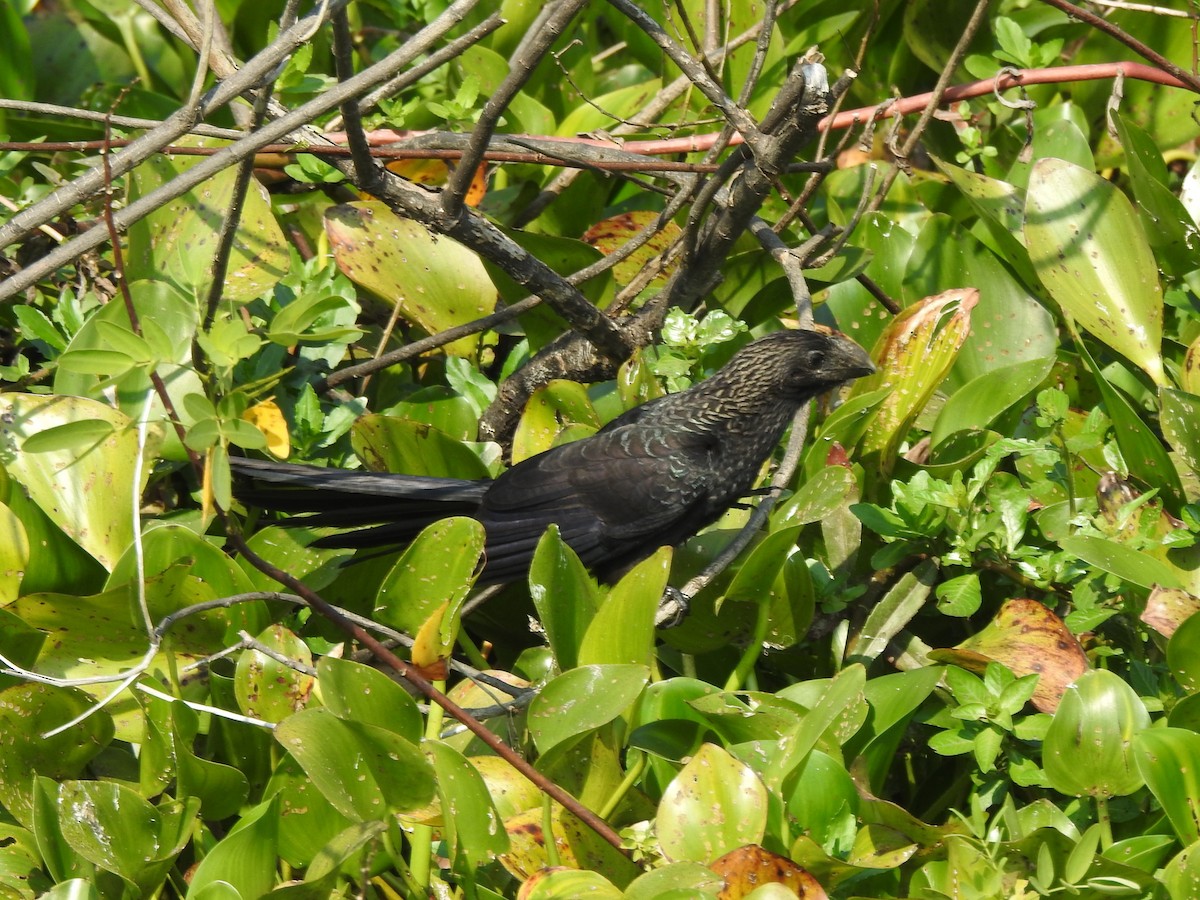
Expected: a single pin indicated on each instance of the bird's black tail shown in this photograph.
(382, 508)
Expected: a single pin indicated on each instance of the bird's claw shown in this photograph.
(672, 608)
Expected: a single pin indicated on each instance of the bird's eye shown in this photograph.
(814, 359)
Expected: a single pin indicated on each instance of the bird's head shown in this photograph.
(799, 365)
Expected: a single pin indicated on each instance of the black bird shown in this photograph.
(654, 476)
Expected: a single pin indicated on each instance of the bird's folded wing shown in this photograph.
(609, 495)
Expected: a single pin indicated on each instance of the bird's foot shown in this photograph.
(672, 608)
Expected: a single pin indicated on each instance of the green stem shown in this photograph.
(631, 776)
(745, 665)
(1105, 821)
(420, 863)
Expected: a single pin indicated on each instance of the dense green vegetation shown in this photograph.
(956, 660)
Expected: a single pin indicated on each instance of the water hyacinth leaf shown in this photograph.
(553, 410)
(715, 805)
(86, 491)
(266, 688)
(1183, 654)
(1088, 748)
(566, 884)
(913, 356)
(14, 554)
(1090, 251)
(361, 693)
(675, 881)
(245, 860)
(582, 699)
(1179, 415)
(1168, 608)
(1028, 638)
(111, 826)
(622, 631)
(470, 820)
(179, 240)
(1166, 759)
(27, 712)
(752, 871)
(435, 282)
(363, 771)
(393, 444)
(439, 566)
(1168, 226)
(609, 235)
(565, 595)
(978, 403)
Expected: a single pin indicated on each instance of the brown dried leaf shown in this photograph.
(1029, 639)
(751, 867)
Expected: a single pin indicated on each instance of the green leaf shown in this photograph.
(244, 860)
(1135, 566)
(435, 282)
(623, 628)
(364, 771)
(438, 567)
(712, 780)
(978, 403)
(1088, 749)
(472, 824)
(266, 688)
(582, 699)
(1090, 252)
(27, 712)
(565, 595)
(352, 691)
(87, 494)
(1166, 759)
(390, 444)
(71, 436)
(97, 362)
(177, 242)
(1183, 654)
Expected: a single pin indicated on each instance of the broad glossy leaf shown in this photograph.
(14, 554)
(716, 804)
(180, 239)
(1090, 251)
(307, 821)
(113, 827)
(913, 356)
(582, 699)
(569, 884)
(246, 858)
(1183, 654)
(978, 403)
(27, 712)
(360, 693)
(87, 492)
(471, 823)
(565, 595)
(1166, 759)
(675, 881)
(1180, 419)
(609, 235)
(1135, 566)
(364, 771)
(266, 688)
(1088, 749)
(390, 444)
(438, 567)
(551, 412)
(435, 282)
(623, 628)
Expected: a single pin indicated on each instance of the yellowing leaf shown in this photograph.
(912, 357)
(268, 418)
